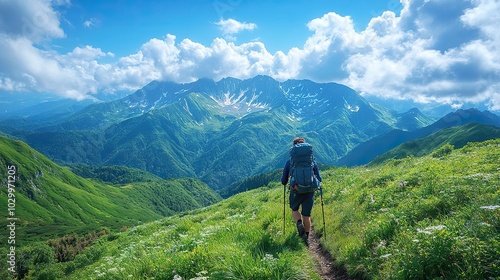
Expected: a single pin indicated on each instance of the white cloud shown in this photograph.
(35, 20)
(434, 51)
(430, 54)
(404, 57)
(230, 27)
(91, 22)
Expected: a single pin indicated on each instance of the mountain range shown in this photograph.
(219, 132)
(369, 150)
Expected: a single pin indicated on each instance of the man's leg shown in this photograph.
(295, 202)
(296, 216)
(307, 228)
(307, 223)
(306, 215)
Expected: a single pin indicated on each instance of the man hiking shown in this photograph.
(303, 173)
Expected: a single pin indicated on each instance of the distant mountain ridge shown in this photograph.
(301, 98)
(372, 148)
(220, 132)
(457, 136)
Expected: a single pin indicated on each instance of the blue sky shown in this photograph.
(280, 25)
(427, 51)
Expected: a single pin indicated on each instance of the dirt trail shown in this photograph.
(326, 267)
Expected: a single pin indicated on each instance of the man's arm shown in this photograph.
(286, 173)
(316, 172)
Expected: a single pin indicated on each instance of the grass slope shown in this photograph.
(113, 174)
(456, 136)
(433, 217)
(239, 238)
(52, 201)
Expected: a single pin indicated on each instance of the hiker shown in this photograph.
(297, 197)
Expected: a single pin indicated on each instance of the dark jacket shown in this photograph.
(286, 173)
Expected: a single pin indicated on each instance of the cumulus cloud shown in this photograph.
(443, 51)
(434, 52)
(34, 20)
(188, 60)
(230, 27)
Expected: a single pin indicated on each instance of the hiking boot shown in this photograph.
(305, 237)
(301, 229)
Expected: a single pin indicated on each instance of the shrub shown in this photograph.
(442, 151)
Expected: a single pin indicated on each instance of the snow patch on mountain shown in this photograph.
(186, 107)
(350, 107)
(285, 92)
(293, 118)
(229, 99)
(242, 102)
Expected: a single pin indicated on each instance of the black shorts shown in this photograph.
(304, 199)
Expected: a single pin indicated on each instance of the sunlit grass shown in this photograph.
(429, 217)
(239, 238)
(435, 217)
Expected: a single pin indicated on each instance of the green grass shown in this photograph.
(239, 238)
(432, 217)
(113, 174)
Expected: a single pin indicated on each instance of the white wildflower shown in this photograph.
(429, 230)
(490, 207)
(423, 231)
(380, 245)
(201, 273)
(434, 228)
(269, 258)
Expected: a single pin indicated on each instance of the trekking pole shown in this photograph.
(323, 211)
(284, 195)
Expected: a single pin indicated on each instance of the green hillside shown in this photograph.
(113, 174)
(52, 201)
(457, 136)
(432, 217)
(251, 183)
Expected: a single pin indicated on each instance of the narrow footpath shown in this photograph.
(326, 267)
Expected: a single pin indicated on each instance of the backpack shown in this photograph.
(301, 168)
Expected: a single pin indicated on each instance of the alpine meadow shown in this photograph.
(181, 181)
(434, 216)
(249, 140)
